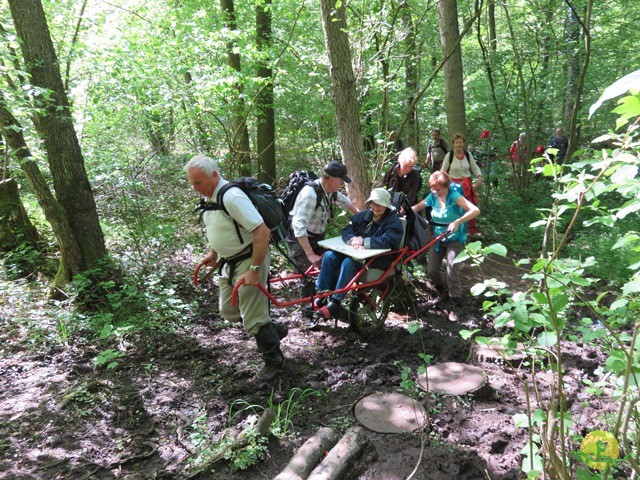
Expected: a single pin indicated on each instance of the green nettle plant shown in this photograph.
(568, 301)
(212, 448)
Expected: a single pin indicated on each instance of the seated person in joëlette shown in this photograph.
(451, 211)
(374, 228)
(404, 176)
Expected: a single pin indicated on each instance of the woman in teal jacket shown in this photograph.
(451, 211)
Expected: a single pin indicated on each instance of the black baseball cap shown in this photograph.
(338, 170)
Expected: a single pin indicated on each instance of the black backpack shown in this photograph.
(297, 180)
(262, 196)
(417, 229)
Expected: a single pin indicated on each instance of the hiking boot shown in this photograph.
(268, 342)
(330, 311)
(281, 329)
(310, 322)
(274, 359)
(318, 303)
(267, 373)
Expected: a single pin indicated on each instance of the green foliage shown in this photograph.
(109, 358)
(595, 198)
(507, 211)
(23, 260)
(287, 410)
(111, 306)
(210, 451)
(211, 448)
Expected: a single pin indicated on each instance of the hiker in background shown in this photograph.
(377, 227)
(404, 176)
(561, 142)
(436, 151)
(246, 259)
(309, 217)
(395, 144)
(460, 165)
(487, 157)
(451, 211)
(518, 150)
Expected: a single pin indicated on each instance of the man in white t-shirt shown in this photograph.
(243, 259)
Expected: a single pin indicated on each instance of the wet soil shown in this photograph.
(62, 417)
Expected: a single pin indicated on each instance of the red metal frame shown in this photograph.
(350, 287)
(403, 255)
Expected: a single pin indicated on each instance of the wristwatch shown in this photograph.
(255, 268)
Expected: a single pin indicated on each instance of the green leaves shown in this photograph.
(630, 82)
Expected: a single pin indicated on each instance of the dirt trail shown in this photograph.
(63, 418)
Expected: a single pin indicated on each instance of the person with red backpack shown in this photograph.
(460, 165)
(518, 150)
(451, 212)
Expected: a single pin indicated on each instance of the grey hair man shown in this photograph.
(244, 261)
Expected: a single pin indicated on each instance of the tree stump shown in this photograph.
(452, 378)
(390, 413)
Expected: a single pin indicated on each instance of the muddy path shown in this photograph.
(61, 417)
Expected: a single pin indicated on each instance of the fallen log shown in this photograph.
(340, 458)
(308, 455)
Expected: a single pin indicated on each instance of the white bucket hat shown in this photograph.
(381, 197)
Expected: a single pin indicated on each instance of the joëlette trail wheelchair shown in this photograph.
(369, 291)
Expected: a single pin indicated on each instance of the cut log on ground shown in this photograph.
(308, 456)
(342, 456)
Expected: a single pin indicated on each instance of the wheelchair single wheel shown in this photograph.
(368, 311)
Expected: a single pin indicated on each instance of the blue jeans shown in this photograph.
(331, 263)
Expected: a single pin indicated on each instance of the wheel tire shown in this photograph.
(363, 318)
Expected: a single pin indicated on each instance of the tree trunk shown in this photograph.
(487, 57)
(343, 89)
(200, 134)
(573, 56)
(342, 456)
(411, 59)
(574, 128)
(70, 254)
(453, 85)
(15, 226)
(240, 150)
(308, 456)
(520, 176)
(55, 126)
(491, 20)
(266, 134)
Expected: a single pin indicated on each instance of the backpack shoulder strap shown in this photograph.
(221, 193)
(320, 195)
(219, 198)
(447, 156)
